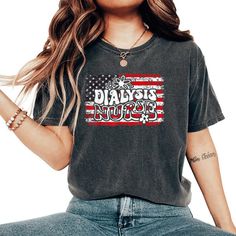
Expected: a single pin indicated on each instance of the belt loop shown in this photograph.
(123, 207)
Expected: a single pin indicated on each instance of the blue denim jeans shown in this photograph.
(125, 215)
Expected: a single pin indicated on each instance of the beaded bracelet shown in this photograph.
(19, 122)
(11, 120)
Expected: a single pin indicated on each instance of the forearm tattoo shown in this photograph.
(204, 156)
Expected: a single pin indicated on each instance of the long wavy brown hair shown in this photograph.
(76, 24)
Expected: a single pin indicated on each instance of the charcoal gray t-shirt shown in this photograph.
(133, 121)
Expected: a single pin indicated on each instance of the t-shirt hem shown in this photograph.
(183, 201)
(198, 127)
(48, 121)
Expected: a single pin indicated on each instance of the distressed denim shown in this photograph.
(124, 215)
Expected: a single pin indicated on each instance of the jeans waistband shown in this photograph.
(124, 206)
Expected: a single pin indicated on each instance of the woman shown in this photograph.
(135, 91)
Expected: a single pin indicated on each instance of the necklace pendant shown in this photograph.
(123, 63)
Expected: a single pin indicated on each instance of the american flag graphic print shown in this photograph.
(124, 99)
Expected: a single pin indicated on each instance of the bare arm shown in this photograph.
(53, 144)
(202, 158)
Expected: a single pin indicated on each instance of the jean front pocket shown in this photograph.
(165, 210)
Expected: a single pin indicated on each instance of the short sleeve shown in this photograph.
(204, 107)
(54, 115)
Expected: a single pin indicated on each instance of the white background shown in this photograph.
(29, 188)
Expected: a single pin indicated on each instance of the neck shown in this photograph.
(124, 30)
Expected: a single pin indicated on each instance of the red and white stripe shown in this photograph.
(140, 81)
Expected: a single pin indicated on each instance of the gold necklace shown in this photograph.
(123, 54)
